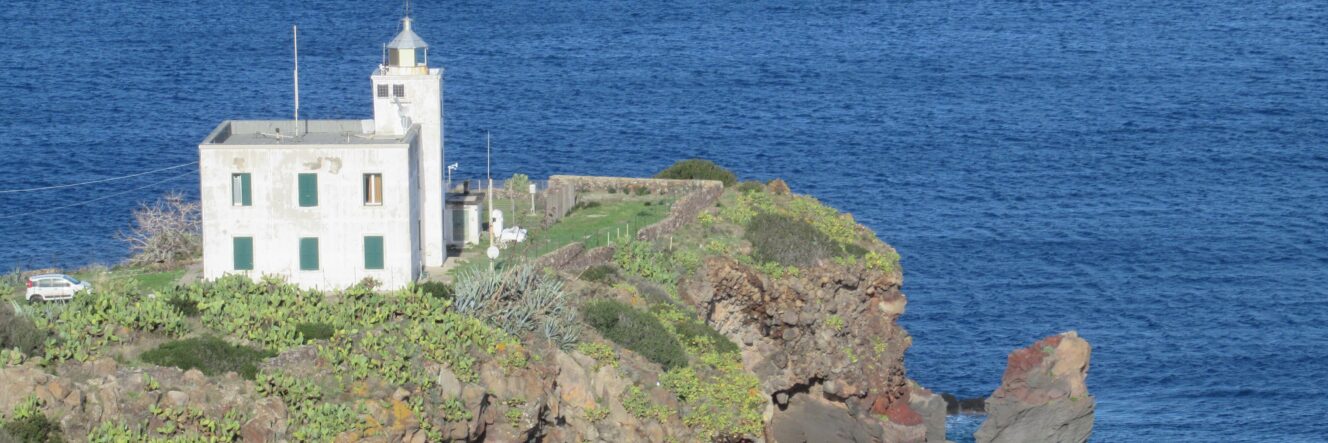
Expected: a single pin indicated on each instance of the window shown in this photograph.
(309, 254)
(398, 90)
(373, 252)
(243, 251)
(382, 91)
(240, 195)
(373, 189)
(308, 190)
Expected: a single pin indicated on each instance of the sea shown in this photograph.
(1152, 174)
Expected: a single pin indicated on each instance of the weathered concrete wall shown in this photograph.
(340, 221)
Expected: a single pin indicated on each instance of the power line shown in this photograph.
(98, 198)
(43, 188)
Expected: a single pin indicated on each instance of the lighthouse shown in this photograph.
(406, 92)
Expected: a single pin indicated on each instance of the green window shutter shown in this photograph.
(308, 190)
(309, 254)
(373, 252)
(244, 253)
(240, 195)
(246, 195)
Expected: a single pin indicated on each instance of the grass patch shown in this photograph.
(211, 355)
(158, 281)
(437, 289)
(636, 330)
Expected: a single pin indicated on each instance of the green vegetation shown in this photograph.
(697, 169)
(835, 322)
(750, 186)
(18, 332)
(436, 289)
(518, 184)
(719, 398)
(597, 413)
(209, 354)
(602, 353)
(519, 301)
(600, 274)
(28, 424)
(788, 241)
(158, 281)
(698, 336)
(636, 330)
(638, 403)
(315, 331)
(640, 259)
(86, 325)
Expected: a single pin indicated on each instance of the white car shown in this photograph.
(48, 287)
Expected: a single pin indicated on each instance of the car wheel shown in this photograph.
(38, 298)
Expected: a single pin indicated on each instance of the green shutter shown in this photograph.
(308, 190)
(309, 254)
(244, 253)
(373, 252)
(246, 197)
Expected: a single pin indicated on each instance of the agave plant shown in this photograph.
(518, 301)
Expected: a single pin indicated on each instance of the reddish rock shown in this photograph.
(1042, 396)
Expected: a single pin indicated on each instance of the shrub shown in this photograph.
(602, 353)
(750, 186)
(184, 304)
(519, 301)
(788, 241)
(723, 400)
(436, 289)
(691, 330)
(209, 354)
(518, 184)
(584, 205)
(166, 231)
(697, 169)
(17, 331)
(778, 187)
(600, 274)
(639, 258)
(315, 331)
(636, 330)
(86, 325)
(28, 424)
(643, 191)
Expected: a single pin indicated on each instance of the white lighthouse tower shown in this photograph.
(407, 92)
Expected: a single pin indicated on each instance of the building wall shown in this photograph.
(340, 220)
(422, 105)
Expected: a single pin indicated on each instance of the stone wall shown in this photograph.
(575, 258)
(683, 211)
(581, 183)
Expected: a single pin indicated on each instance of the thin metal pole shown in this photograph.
(295, 31)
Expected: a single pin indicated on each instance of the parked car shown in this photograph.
(48, 287)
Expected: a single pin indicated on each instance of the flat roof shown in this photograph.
(312, 132)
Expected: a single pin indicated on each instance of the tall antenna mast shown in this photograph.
(295, 31)
(488, 151)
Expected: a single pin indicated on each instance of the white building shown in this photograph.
(326, 203)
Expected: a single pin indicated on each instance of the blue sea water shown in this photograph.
(1153, 174)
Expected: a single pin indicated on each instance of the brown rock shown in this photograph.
(1042, 396)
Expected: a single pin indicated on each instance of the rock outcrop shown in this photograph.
(1042, 396)
(824, 344)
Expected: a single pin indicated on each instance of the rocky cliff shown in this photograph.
(825, 346)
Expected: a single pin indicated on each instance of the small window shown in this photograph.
(398, 90)
(308, 190)
(240, 193)
(373, 189)
(373, 252)
(309, 254)
(382, 91)
(243, 251)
